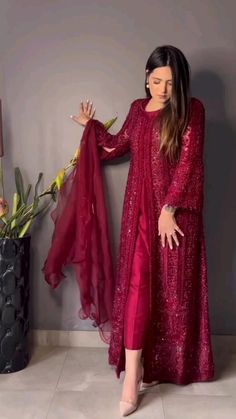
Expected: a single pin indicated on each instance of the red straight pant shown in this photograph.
(137, 304)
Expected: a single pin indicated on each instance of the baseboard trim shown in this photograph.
(76, 338)
(86, 338)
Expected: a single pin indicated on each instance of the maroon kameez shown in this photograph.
(177, 345)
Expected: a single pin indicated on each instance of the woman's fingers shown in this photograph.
(170, 236)
(90, 107)
(93, 113)
(167, 226)
(86, 108)
(179, 230)
(163, 239)
(74, 117)
(86, 105)
(169, 239)
(175, 238)
(85, 113)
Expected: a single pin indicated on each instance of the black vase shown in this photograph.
(14, 303)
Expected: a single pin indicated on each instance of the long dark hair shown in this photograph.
(175, 114)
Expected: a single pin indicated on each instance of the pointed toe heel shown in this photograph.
(127, 407)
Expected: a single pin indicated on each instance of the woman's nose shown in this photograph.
(164, 88)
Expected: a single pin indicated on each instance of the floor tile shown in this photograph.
(24, 404)
(42, 372)
(101, 401)
(199, 407)
(83, 366)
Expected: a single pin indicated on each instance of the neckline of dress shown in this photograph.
(144, 103)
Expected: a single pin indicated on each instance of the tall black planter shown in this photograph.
(14, 304)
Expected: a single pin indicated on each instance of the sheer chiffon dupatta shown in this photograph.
(80, 237)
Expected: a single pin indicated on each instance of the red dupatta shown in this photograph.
(80, 236)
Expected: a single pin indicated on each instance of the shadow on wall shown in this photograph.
(220, 200)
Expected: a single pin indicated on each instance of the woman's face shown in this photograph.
(160, 84)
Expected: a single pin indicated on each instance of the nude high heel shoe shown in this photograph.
(144, 386)
(129, 406)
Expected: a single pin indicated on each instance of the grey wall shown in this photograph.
(57, 53)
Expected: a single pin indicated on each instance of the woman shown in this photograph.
(160, 321)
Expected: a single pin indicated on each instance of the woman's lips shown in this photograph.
(162, 96)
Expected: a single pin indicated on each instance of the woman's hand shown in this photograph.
(167, 226)
(85, 113)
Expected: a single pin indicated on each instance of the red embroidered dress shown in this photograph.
(177, 346)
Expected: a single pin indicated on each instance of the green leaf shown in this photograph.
(19, 185)
(109, 123)
(27, 193)
(25, 228)
(14, 208)
(37, 184)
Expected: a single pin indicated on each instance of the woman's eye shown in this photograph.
(157, 82)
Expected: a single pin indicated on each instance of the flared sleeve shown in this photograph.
(120, 142)
(186, 187)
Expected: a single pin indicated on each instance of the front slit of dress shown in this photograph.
(136, 315)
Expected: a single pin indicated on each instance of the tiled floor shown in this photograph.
(69, 383)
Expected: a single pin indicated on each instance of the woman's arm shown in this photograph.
(118, 143)
(186, 188)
